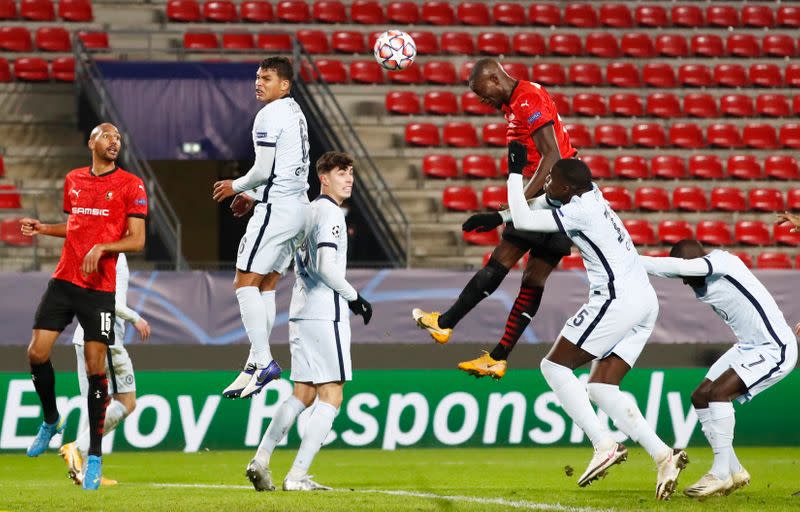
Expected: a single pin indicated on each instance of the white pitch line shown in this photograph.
(521, 504)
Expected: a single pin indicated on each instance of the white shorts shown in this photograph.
(119, 370)
(759, 366)
(273, 234)
(621, 325)
(320, 351)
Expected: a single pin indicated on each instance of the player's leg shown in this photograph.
(271, 371)
(251, 308)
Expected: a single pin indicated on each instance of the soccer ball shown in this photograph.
(395, 50)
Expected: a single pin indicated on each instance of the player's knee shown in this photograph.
(716, 394)
(37, 355)
(492, 275)
(700, 398)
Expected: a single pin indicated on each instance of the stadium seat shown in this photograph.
(707, 45)
(699, 105)
(585, 74)
(637, 44)
(465, 71)
(494, 197)
(348, 41)
(641, 231)
(765, 199)
(15, 39)
(648, 135)
(569, 45)
(745, 257)
(658, 74)
(412, 75)
(793, 199)
(692, 199)
(367, 12)
(5, 76)
(796, 105)
(781, 167)
(438, 13)
(758, 16)
(220, 11)
(460, 135)
(695, 75)
(472, 104)
(665, 105)
(422, 134)
(618, 198)
(579, 135)
(458, 43)
(53, 39)
(792, 75)
(460, 199)
(10, 199)
(274, 42)
(473, 13)
(652, 199)
(706, 167)
(200, 41)
(651, 16)
(256, 11)
(773, 105)
(406, 13)
(621, 74)
(516, 70)
(479, 166)
(572, 262)
(494, 134)
(401, 102)
(32, 69)
(730, 75)
(588, 104)
(668, 167)
(752, 233)
(723, 135)
(544, 14)
(75, 10)
(728, 199)
(743, 45)
(788, 16)
(773, 261)
(778, 45)
(562, 103)
(439, 72)
(37, 10)
(439, 166)
(737, 105)
(94, 40)
(8, 9)
(332, 71)
(509, 13)
(425, 41)
(441, 103)
(549, 73)
(329, 11)
(603, 45)
(313, 41)
(624, 104)
(714, 232)
(493, 43)
(673, 231)
(687, 16)
(600, 167)
(615, 15)
(293, 11)
(671, 45)
(722, 16)
(784, 236)
(767, 75)
(686, 135)
(581, 15)
(244, 41)
(789, 135)
(760, 136)
(611, 135)
(631, 167)
(528, 43)
(744, 167)
(10, 234)
(184, 10)
(63, 69)
(488, 238)
(366, 72)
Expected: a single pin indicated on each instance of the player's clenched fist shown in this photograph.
(482, 222)
(242, 204)
(30, 227)
(223, 190)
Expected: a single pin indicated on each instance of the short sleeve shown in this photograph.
(137, 200)
(570, 217)
(267, 129)
(534, 111)
(330, 229)
(67, 187)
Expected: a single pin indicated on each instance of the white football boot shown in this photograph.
(304, 484)
(709, 485)
(668, 471)
(601, 461)
(234, 390)
(259, 476)
(740, 479)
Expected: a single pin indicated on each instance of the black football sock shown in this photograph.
(97, 401)
(482, 284)
(525, 308)
(44, 381)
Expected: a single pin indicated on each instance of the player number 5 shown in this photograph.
(580, 317)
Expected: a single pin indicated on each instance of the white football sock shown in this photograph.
(627, 417)
(268, 299)
(278, 427)
(704, 417)
(115, 413)
(575, 401)
(317, 429)
(252, 310)
(723, 421)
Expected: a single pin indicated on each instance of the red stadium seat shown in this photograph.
(8, 9)
(796, 105)
(637, 44)
(493, 43)
(94, 40)
(744, 167)
(603, 45)
(773, 105)
(53, 39)
(566, 44)
(244, 41)
(544, 14)
(648, 135)
(752, 233)
(707, 45)
(406, 12)
(792, 75)
(528, 43)
(631, 167)
(730, 75)
(722, 16)
(673, 231)
(714, 232)
(366, 72)
(580, 15)
(401, 102)
(412, 75)
(773, 261)
(221, 11)
(782, 167)
(784, 235)
(472, 104)
(256, 11)
(473, 13)
(15, 39)
(579, 135)
(10, 234)
(572, 262)
(200, 41)
(616, 16)
(671, 45)
(695, 75)
(765, 199)
(460, 199)
(611, 135)
(766, 75)
(425, 41)
(706, 167)
(183, 10)
(651, 16)
(438, 13)
(489, 238)
(700, 105)
(314, 41)
(75, 10)
(63, 69)
(789, 135)
(788, 16)
(439, 72)
(293, 11)
(494, 134)
(622, 74)
(618, 197)
(651, 198)
(665, 105)
(508, 13)
(548, 73)
(691, 199)
(723, 135)
(348, 41)
(743, 45)
(658, 75)
(562, 103)
(760, 136)
(516, 70)
(422, 134)
(329, 11)
(458, 43)
(627, 105)
(759, 16)
(5, 76)
(599, 166)
(686, 135)
(793, 199)
(494, 197)
(442, 103)
(439, 166)
(728, 199)
(274, 42)
(479, 166)
(37, 10)
(778, 45)
(588, 104)
(332, 71)
(745, 257)
(641, 231)
(460, 135)
(737, 105)
(585, 74)
(687, 16)
(668, 167)
(10, 199)
(367, 12)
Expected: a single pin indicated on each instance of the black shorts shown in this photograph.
(548, 247)
(62, 301)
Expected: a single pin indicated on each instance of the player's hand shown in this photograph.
(143, 328)
(92, 258)
(30, 227)
(789, 217)
(242, 204)
(517, 157)
(361, 307)
(223, 190)
(482, 222)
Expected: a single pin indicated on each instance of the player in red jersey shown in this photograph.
(532, 120)
(106, 207)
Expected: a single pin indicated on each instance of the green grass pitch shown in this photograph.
(479, 479)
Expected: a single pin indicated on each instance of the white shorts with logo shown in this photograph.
(119, 370)
(273, 234)
(759, 366)
(621, 325)
(320, 351)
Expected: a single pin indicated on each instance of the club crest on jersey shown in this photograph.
(109, 195)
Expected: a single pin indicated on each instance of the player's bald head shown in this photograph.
(483, 69)
(489, 81)
(102, 128)
(687, 249)
(574, 173)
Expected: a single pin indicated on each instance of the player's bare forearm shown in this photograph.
(133, 241)
(56, 230)
(33, 227)
(547, 146)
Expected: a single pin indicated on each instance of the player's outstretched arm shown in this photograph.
(133, 241)
(676, 267)
(521, 214)
(334, 279)
(547, 145)
(33, 227)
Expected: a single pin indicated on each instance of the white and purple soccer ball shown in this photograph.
(394, 50)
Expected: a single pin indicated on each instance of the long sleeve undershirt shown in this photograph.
(521, 214)
(676, 267)
(331, 275)
(260, 173)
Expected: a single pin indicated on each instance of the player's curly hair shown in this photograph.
(282, 66)
(332, 160)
